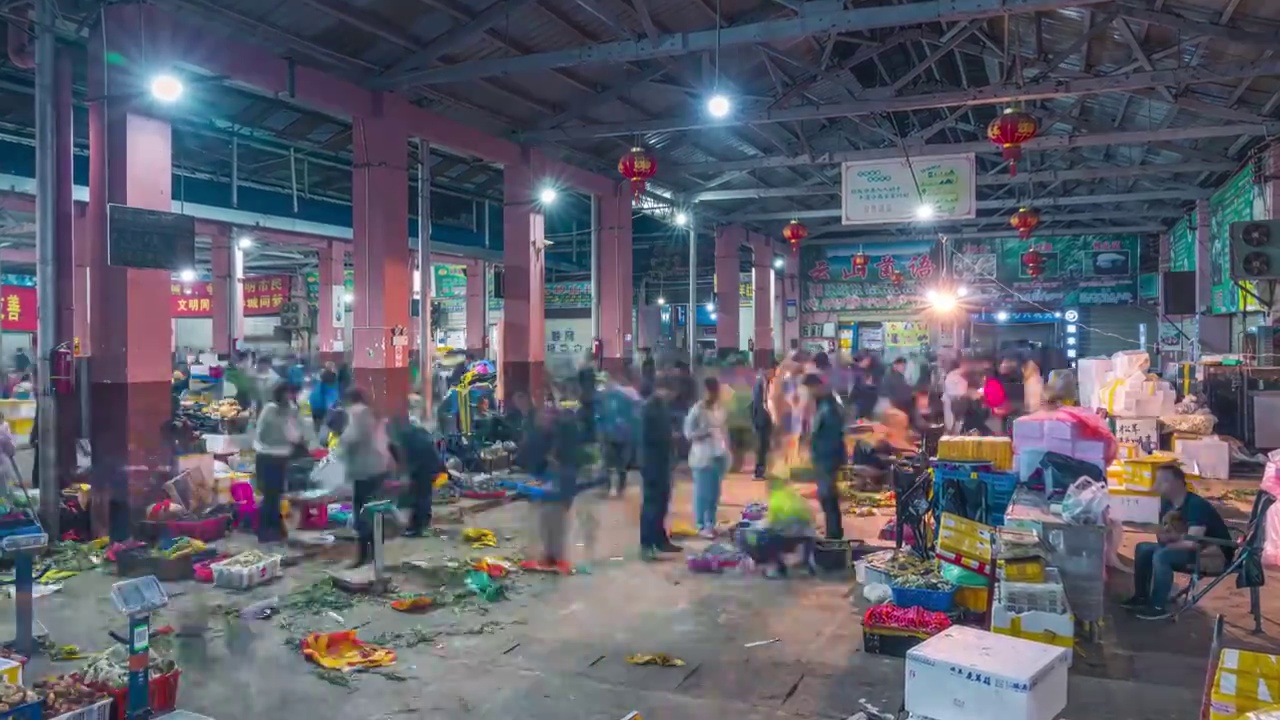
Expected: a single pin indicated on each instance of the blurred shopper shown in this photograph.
(364, 451)
(706, 429)
(829, 453)
(415, 452)
(761, 420)
(656, 459)
(276, 438)
(324, 398)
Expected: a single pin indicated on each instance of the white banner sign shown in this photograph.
(890, 191)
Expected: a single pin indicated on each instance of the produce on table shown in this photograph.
(65, 694)
(914, 619)
(224, 409)
(111, 668)
(908, 570)
(15, 696)
(246, 559)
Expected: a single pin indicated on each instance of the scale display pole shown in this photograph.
(23, 549)
(136, 599)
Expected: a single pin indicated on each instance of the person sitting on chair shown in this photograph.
(1188, 516)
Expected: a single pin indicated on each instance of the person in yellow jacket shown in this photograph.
(788, 527)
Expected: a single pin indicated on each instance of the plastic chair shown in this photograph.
(1246, 565)
(246, 503)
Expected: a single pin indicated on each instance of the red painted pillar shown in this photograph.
(617, 291)
(728, 269)
(380, 182)
(762, 277)
(523, 347)
(228, 321)
(331, 308)
(68, 406)
(477, 322)
(130, 156)
(791, 303)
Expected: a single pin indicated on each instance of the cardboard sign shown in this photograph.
(1142, 432)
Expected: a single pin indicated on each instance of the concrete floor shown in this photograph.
(556, 648)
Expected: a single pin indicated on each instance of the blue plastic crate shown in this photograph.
(30, 711)
(998, 488)
(939, 600)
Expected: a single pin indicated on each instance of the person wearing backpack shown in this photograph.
(620, 430)
(364, 451)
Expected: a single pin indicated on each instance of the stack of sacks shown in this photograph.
(1130, 392)
(1055, 431)
(1092, 376)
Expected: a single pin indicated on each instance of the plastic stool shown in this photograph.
(313, 514)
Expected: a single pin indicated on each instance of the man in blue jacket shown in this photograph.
(828, 450)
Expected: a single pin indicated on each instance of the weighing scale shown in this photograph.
(23, 546)
(136, 599)
(363, 579)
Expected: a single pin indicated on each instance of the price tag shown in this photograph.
(1143, 432)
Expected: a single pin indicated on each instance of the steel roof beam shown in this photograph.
(818, 22)
(878, 101)
(983, 180)
(991, 234)
(1040, 203)
(451, 39)
(1230, 35)
(917, 150)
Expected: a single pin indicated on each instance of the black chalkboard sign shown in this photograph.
(150, 239)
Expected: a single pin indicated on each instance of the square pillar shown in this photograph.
(617, 291)
(762, 278)
(72, 315)
(728, 270)
(477, 315)
(523, 348)
(130, 163)
(228, 298)
(331, 308)
(383, 282)
(790, 299)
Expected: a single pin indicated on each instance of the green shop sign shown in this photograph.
(567, 295)
(1078, 270)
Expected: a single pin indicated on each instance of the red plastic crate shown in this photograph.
(164, 695)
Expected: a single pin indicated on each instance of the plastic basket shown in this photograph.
(100, 710)
(30, 711)
(889, 641)
(1049, 596)
(163, 695)
(997, 487)
(939, 600)
(243, 578)
(11, 671)
(206, 530)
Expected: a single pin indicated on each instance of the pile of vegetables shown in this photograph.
(65, 694)
(913, 619)
(908, 570)
(111, 668)
(246, 559)
(15, 696)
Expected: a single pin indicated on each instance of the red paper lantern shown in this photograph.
(1033, 263)
(1025, 222)
(639, 167)
(794, 232)
(1035, 271)
(1010, 131)
(861, 260)
(897, 278)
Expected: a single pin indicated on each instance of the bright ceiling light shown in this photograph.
(945, 302)
(713, 316)
(711, 307)
(662, 300)
(778, 263)
(682, 219)
(718, 105)
(187, 275)
(931, 295)
(245, 242)
(166, 88)
(924, 212)
(548, 195)
(962, 291)
(348, 297)
(1002, 316)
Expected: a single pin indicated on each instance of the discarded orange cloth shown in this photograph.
(344, 651)
(418, 604)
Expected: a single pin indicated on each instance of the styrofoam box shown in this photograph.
(1134, 506)
(968, 674)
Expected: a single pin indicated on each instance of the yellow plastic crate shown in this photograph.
(965, 543)
(973, 599)
(1250, 663)
(11, 671)
(996, 450)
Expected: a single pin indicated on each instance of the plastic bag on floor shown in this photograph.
(1085, 502)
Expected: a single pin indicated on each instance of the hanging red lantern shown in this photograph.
(1010, 130)
(794, 232)
(861, 260)
(897, 277)
(1033, 263)
(1025, 222)
(639, 167)
(1035, 271)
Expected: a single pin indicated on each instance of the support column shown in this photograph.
(791, 299)
(71, 314)
(728, 268)
(617, 291)
(228, 273)
(477, 315)
(130, 163)
(762, 278)
(331, 310)
(1212, 332)
(523, 349)
(380, 181)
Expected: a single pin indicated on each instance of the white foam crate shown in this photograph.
(243, 578)
(1049, 596)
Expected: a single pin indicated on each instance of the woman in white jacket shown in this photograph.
(706, 428)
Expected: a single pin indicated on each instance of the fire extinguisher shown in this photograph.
(62, 370)
(597, 352)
